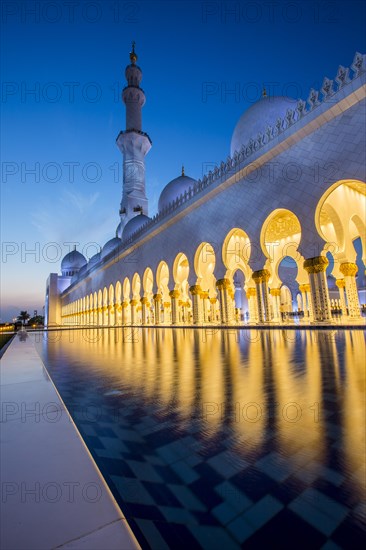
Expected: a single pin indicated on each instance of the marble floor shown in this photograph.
(53, 495)
(223, 439)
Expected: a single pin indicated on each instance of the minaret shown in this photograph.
(134, 144)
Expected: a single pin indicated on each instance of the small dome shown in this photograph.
(72, 263)
(109, 246)
(119, 230)
(258, 117)
(175, 189)
(134, 225)
(94, 260)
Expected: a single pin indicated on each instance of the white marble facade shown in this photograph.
(293, 187)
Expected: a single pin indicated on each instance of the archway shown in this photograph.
(135, 302)
(280, 238)
(126, 306)
(236, 252)
(147, 300)
(105, 306)
(100, 308)
(95, 308)
(180, 276)
(287, 272)
(341, 220)
(111, 306)
(118, 303)
(162, 282)
(204, 292)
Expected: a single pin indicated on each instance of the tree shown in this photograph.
(37, 320)
(23, 316)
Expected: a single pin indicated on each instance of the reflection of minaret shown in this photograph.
(134, 144)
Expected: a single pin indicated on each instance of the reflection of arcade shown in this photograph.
(303, 390)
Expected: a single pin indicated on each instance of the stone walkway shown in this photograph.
(52, 493)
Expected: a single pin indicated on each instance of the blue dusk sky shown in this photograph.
(203, 64)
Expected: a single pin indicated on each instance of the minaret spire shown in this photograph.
(133, 56)
(134, 144)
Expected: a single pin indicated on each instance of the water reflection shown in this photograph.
(286, 406)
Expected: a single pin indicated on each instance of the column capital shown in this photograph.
(316, 265)
(157, 297)
(174, 293)
(261, 276)
(133, 302)
(275, 292)
(124, 304)
(144, 300)
(251, 291)
(348, 269)
(341, 283)
(195, 290)
(223, 283)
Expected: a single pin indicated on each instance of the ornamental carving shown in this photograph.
(261, 276)
(316, 265)
(282, 226)
(223, 283)
(348, 269)
(342, 77)
(195, 290)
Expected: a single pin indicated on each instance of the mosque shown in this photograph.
(278, 229)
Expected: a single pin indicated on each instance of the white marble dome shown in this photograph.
(109, 246)
(258, 117)
(72, 263)
(94, 260)
(174, 189)
(134, 225)
(119, 230)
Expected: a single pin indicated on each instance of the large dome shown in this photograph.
(109, 246)
(174, 189)
(134, 225)
(258, 117)
(72, 263)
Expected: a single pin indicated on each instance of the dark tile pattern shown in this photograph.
(188, 483)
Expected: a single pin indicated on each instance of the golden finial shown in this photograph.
(133, 55)
(264, 93)
(182, 170)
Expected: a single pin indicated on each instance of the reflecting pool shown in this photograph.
(222, 438)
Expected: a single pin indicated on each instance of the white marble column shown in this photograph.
(316, 268)
(251, 297)
(276, 293)
(196, 291)
(349, 270)
(174, 296)
(225, 301)
(261, 279)
(157, 300)
(341, 284)
(144, 302)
